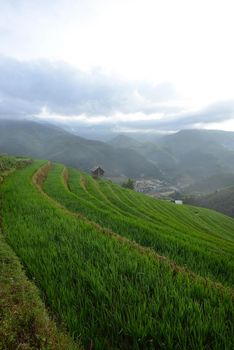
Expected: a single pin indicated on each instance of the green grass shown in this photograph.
(24, 321)
(172, 231)
(110, 293)
(9, 164)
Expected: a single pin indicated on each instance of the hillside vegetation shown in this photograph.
(24, 321)
(221, 200)
(8, 164)
(121, 270)
(173, 231)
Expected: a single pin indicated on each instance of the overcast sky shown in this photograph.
(150, 64)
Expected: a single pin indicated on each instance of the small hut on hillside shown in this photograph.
(97, 171)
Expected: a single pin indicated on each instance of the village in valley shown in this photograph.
(152, 187)
(156, 188)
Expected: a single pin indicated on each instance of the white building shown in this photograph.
(178, 201)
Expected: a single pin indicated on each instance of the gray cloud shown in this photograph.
(68, 91)
(27, 87)
(214, 113)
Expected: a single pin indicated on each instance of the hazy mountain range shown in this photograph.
(187, 158)
(53, 143)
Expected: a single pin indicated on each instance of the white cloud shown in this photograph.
(185, 43)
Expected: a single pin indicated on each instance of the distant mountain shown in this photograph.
(211, 183)
(124, 141)
(185, 141)
(50, 142)
(221, 200)
(188, 156)
(201, 153)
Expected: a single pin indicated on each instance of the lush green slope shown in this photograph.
(24, 321)
(110, 292)
(221, 200)
(9, 164)
(173, 231)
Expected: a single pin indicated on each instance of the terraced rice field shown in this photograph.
(173, 231)
(121, 270)
(24, 320)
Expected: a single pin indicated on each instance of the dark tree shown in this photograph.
(128, 184)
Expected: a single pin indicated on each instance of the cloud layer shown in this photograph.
(29, 88)
(69, 91)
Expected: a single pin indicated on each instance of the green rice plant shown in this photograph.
(109, 293)
(213, 258)
(185, 215)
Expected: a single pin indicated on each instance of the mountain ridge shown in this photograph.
(51, 142)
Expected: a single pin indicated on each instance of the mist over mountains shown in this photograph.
(188, 155)
(185, 158)
(53, 143)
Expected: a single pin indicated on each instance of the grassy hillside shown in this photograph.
(111, 292)
(45, 141)
(221, 200)
(170, 230)
(8, 164)
(24, 321)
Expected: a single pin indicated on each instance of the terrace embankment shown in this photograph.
(25, 323)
